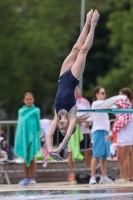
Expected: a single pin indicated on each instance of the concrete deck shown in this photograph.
(51, 172)
(65, 191)
(64, 186)
(48, 188)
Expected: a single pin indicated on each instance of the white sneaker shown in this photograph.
(105, 179)
(92, 180)
(45, 164)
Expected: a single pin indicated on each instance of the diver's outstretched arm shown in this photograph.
(71, 128)
(51, 132)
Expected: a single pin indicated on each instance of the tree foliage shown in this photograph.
(121, 39)
(35, 38)
(33, 41)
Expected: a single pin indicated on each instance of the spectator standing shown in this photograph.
(123, 127)
(85, 141)
(100, 129)
(27, 140)
(5, 146)
(45, 124)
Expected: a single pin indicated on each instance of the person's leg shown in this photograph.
(88, 157)
(125, 152)
(46, 153)
(119, 162)
(25, 181)
(85, 147)
(103, 160)
(26, 171)
(94, 162)
(79, 64)
(131, 163)
(70, 163)
(32, 169)
(69, 61)
(96, 152)
(104, 178)
(103, 164)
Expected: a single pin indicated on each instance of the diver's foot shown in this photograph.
(89, 17)
(95, 18)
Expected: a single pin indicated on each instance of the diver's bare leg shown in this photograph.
(79, 65)
(70, 59)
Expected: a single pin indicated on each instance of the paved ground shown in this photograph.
(64, 186)
(64, 191)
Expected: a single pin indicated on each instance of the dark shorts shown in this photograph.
(85, 144)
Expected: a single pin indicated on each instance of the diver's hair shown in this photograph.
(28, 93)
(128, 93)
(81, 119)
(95, 91)
(64, 134)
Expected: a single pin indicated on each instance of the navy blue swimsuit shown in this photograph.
(65, 98)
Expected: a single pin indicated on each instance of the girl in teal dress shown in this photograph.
(27, 140)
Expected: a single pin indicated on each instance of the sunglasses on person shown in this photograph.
(102, 93)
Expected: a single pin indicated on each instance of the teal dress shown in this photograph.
(27, 139)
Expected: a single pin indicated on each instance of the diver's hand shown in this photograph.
(55, 156)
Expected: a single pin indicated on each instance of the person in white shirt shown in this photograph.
(123, 127)
(85, 144)
(100, 129)
(45, 124)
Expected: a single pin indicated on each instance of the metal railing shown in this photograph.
(10, 127)
(7, 125)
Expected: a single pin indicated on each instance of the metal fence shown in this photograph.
(10, 129)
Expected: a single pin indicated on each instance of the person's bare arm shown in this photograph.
(70, 130)
(51, 132)
(107, 103)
